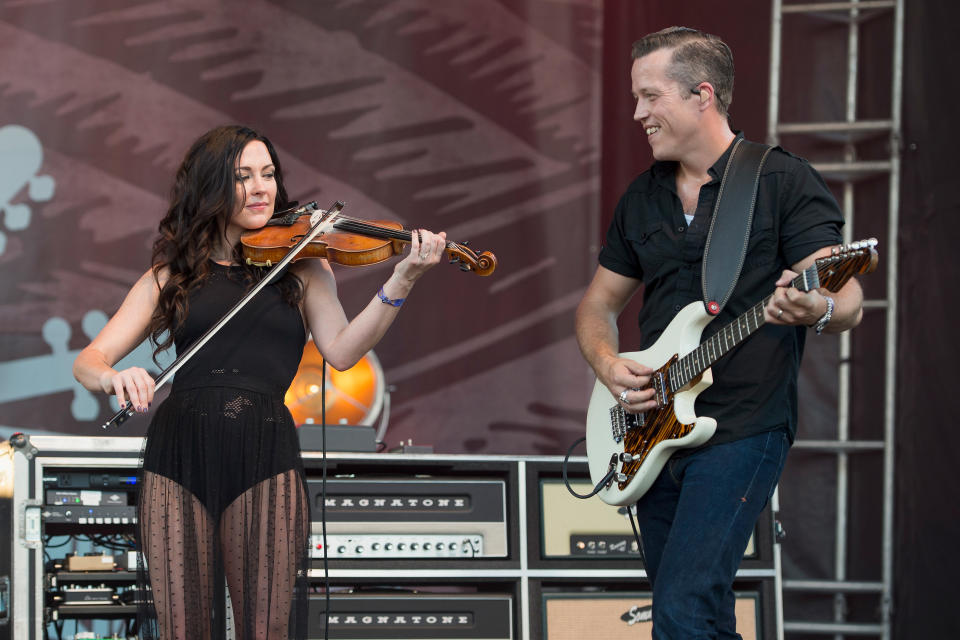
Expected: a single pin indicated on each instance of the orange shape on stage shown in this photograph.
(354, 396)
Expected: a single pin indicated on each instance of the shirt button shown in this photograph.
(681, 229)
(677, 307)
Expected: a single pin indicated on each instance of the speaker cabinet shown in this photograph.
(419, 616)
(624, 616)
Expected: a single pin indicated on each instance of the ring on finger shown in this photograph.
(779, 312)
(623, 396)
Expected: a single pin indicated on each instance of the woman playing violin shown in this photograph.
(222, 495)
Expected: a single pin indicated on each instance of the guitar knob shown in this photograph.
(621, 477)
(626, 457)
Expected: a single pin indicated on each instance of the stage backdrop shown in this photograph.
(477, 117)
(484, 118)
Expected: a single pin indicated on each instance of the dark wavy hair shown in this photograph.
(202, 200)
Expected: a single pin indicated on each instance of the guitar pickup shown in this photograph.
(660, 388)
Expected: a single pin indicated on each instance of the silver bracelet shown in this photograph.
(825, 318)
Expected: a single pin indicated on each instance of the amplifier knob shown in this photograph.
(452, 546)
(414, 546)
(426, 546)
(359, 548)
(375, 546)
(388, 546)
(341, 549)
(401, 546)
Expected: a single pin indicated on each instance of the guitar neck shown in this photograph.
(721, 343)
(830, 273)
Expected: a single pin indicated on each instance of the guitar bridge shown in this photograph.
(621, 422)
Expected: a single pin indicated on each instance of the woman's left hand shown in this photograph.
(426, 250)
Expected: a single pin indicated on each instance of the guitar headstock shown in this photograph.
(844, 262)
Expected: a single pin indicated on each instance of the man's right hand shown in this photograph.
(621, 375)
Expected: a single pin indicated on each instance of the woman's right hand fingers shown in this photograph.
(136, 386)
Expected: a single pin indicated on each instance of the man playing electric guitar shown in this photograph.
(697, 516)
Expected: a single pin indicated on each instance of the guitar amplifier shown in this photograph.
(409, 518)
(408, 616)
(625, 616)
(576, 529)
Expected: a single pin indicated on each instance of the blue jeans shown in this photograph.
(695, 523)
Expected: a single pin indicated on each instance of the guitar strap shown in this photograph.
(729, 233)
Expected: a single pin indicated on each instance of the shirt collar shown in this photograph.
(665, 170)
(716, 171)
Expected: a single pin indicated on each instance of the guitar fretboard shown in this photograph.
(718, 345)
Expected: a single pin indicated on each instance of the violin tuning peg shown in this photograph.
(454, 260)
(465, 242)
(464, 267)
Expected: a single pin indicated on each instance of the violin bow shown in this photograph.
(320, 220)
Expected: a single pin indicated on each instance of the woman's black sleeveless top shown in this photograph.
(224, 427)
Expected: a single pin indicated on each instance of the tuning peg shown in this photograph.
(464, 267)
(454, 260)
(465, 242)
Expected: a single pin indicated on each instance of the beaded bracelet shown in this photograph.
(393, 302)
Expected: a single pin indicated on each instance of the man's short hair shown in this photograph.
(697, 57)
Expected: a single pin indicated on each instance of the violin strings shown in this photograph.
(354, 224)
(371, 229)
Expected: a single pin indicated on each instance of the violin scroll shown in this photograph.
(482, 264)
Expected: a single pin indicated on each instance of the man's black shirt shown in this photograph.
(755, 385)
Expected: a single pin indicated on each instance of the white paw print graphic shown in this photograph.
(21, 156)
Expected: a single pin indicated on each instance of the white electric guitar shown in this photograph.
(626, 451)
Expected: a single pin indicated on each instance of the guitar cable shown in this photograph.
(323, 498)
(631, 515)
(566, 480)
(631, 510)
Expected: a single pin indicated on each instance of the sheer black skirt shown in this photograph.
(223, 508)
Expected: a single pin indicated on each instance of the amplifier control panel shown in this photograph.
(397, 546)
(422, 517)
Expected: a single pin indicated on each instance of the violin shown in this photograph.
(352, 242)
(305, 232)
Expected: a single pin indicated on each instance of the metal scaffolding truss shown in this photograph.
(847, 171)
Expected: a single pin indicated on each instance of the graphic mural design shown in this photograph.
(477, 117)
